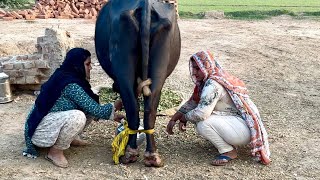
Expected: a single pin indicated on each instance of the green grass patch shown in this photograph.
(257, 14)
(248, 9)
(190, 15)
(168, 99)
(317, 13)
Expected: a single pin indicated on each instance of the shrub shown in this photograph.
(14, 3)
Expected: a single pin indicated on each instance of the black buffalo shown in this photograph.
(138, 39)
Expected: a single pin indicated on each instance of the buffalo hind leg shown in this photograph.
(151, 156)
(124, 57)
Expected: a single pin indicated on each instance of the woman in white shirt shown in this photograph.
(222, 112)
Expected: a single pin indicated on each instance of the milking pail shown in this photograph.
(5, 91)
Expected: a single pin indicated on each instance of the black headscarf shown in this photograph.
(72, 70)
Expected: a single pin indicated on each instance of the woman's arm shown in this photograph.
(179, 115)
(189, 105)
(210, 95)
(85, 103)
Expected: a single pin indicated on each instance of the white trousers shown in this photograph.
(59, 129)
(224, 132)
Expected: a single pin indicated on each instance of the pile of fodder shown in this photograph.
(169, 98)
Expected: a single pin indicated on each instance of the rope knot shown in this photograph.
(144, 86)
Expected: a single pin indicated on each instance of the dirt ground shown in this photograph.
(278, 59)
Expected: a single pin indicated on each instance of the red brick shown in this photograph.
(16, 15)
(87, 16)
(2, 12)
(75, 15)
(86, 11)
(52, 2)
(30, 17)
(63, 17)
(42, 16)
(30, 11)
(74, 9)
(22, 12)
(56, 14)
(94, 12)
(7, 18)
(9, 14)
(39, 6)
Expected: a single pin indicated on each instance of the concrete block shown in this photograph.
(34, 56)
(12, 80)
(12, 73)
(19, 57)
(28, 64)
(39, 48)
(20, 80)
(8, 58)
(39, 39)
(46, 56)
(32, 80)
(50, 32)
(42, 64)
(31, 72)
(7, 66)
(15, 73)
(18, 65)
(25, 57)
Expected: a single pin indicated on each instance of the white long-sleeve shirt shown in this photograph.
(214, 99)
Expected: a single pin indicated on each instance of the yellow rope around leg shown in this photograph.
(121, 140)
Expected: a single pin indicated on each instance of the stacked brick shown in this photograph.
(35, 69)
(62, 9)
(174, 2)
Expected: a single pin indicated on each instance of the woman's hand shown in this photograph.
(118, 105)
(118, 117)
(170, 126)
(183, 124)
(177, 116)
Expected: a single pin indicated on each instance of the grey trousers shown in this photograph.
(59, 129)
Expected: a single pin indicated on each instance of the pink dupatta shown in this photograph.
(239, 94)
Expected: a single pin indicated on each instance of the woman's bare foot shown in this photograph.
(57, 157)
(224, 158)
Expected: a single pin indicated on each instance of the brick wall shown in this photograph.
(36, 68)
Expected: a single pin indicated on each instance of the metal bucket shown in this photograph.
(5, 91)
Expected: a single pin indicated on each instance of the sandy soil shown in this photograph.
(277, 58)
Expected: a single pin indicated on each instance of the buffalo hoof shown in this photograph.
(130, 156)
(152, 160)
